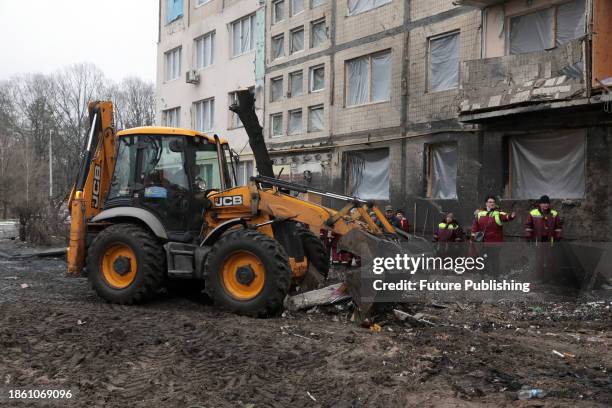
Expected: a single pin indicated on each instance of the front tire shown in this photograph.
(126, 264)
(248, 273)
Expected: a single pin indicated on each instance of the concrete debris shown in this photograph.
(30, 253)
(24, 286)
(414, 320)
(326, 296)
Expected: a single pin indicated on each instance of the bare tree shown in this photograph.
(134, 101)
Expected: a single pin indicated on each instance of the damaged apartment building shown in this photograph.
(431, 105)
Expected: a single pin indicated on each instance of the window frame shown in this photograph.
(313, 23)
(311, 78)
(275, 80)
(428, 75)
(200, 3)
(272, 39)
(173, 51)
(252, 20)
(272, 116)
(312, 6)
(212, 35)
(165, 113)
(211, 111)
(291, 13)
(275, 19)
(291, 34)
(349, 14)
(310, 109)
(370, 78)
(291, 76)
(289, 112)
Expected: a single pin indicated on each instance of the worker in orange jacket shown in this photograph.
(543, 223)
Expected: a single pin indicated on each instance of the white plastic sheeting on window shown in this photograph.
(381, 77)
(444, 171)
(297, 6)
(444, 62)
(297, 40)
(278, 11)
(531, 32)
(317, 3)
(276, 89)
(550, 164)
(296, 80)
(317, 78)
(278, 47)
(318, 33)
(315, 118)
(358, 78)
(368, 174)
(295, 122)
(570, 21)
(359, 6)
(277, 124)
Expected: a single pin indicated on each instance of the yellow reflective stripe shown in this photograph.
(442, 225)
(554, 213)
(497, 218)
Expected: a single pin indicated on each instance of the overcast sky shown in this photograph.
(119, 36)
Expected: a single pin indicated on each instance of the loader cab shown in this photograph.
(169, 172)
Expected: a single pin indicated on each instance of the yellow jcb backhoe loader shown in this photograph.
(153, 203)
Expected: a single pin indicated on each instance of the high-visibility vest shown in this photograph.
(444, 225)
(495, 214)
(536, 213)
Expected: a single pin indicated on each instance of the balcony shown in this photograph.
(496, 84)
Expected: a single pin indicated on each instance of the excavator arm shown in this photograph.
(93, 181)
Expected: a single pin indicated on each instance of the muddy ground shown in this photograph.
(179, 351)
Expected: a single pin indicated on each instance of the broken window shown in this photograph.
(276, 89)
(170, 117)
(444, 62)
(546, 28)
(442, 171)
(174, 10)
(173, 64)
(276, 128)
(318, 33)
(278, 46)
(243, 35)
(368, 79)
(360, 6)
(297, 6)
(204, 46)
(295, 122)
(315, 118)
(570, 21)
(297, 40)
(317, 78)
(296, 83)
(368, 174)
(278, 11)
(204, 112)
(550, 164)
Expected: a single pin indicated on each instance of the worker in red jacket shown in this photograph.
(544, 227)
(488, 228)
(488, 222)
(543, 223)
(449, 230)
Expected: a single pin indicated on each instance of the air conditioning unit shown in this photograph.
(192, 77)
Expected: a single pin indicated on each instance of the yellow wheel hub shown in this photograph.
(119, 266)
(243, 275)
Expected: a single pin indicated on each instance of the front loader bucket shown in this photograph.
(368, 246)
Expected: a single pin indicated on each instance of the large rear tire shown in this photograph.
(248, 273)
(315, 251)
(126, 264)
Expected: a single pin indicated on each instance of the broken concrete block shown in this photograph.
(326, 296)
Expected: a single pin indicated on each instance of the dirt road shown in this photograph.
(179, 351)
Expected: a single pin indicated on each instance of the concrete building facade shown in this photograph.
(206, 51)
(414, 106)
